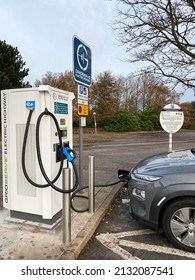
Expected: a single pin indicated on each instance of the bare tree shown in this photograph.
(161, 32)
(59, 80)
(145, 91)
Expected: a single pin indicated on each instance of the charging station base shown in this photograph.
(32, 221)
(35, 218)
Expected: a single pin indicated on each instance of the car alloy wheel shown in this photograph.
(179, 223)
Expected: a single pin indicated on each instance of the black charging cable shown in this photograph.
(76, 195)
(49, 182)
(73, 191)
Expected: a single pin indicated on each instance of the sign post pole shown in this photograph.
(170, 142)
(80, 154)
(82, 75)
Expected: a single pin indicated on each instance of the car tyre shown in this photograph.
(178, 223)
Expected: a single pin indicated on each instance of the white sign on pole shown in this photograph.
(83, 121)
(171, 118)
(82, 95)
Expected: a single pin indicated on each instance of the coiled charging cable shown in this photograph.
(49, 182)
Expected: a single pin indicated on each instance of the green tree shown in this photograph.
(12, 71)
(105, 97)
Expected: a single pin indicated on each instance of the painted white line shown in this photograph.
(155, 248)
(113, 242)
(110, 242)
(133, 233)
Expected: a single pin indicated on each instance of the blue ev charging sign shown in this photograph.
(82, 95)
(81, 62)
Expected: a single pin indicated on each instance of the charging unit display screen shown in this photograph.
(63, 132)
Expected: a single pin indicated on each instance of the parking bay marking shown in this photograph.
(113, 241)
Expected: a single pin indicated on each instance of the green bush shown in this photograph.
(149, 120)
(123, 122)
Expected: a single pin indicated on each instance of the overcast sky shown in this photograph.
(43, 31)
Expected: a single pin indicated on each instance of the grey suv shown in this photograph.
(162, 195)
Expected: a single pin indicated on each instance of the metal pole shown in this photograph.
(95, 123)
(95, 127)
(91, 184)
(170, 142)
(80, 154)
(66, 210)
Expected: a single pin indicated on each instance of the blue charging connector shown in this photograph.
(67, 151)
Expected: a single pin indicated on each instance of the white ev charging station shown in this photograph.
(24, 200)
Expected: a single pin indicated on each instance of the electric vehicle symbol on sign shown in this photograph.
(30, 104)
(82, 55)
